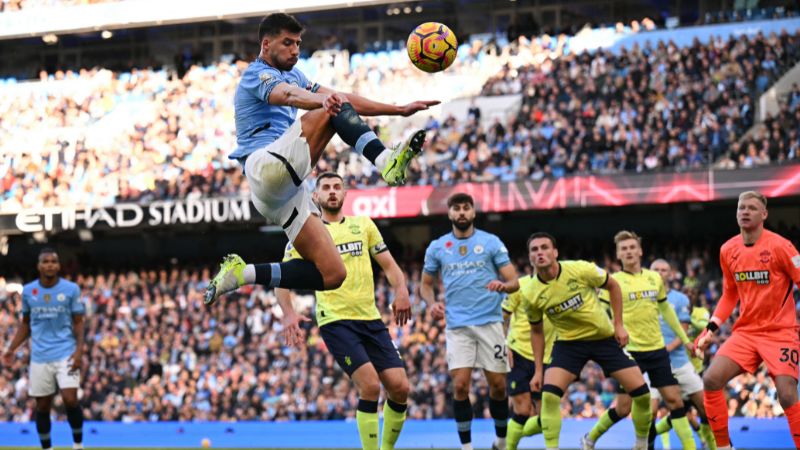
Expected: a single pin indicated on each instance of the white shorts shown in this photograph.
(276, 174)
(688, 379)
(477, 346)
(47, 378)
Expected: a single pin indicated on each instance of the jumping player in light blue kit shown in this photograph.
(277, 152)
(470, 262)
(52, 316)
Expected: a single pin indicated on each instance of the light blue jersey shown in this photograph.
(258, 123)
(467, 266)
(679, 301)
(51, 310)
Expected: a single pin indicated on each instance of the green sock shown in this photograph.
(641, 415)
(684, 432)
(663, 426)
(551, 419)
(606, 421)
(394, 416)
(665, 440)
(367, 421)
(532, 426)
(515, 431)
(708, 436)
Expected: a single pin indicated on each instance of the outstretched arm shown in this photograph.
(367, 107)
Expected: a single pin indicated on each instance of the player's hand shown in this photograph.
(291, 328)
(621, 335)
(702, 342)
(496, 286)
(437, 311)
(75, 361)
(401, 307)
(689, 348)
(332, 104)
(8, 358)
(415, 107)
(536, 381)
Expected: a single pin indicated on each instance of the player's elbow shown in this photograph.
(334, 278)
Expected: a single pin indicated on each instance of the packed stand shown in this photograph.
(155, 353)
(19, 5)
(176, 132)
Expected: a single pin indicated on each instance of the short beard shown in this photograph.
(461, 227)
(332, 209)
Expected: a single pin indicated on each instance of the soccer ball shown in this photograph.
(432, 47)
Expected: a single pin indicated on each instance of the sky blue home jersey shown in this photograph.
(258, 123)
(467, 266)
(680, 302)
(51, 310)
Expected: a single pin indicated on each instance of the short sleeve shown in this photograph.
(261, 83)
(533, 311)
(604, 296)
(76, 303)
(290, 253)
(26, 306)
(592, 275)
(682, 310)
(432, 265)
(791, 260)
(662, 290)
(500, 254)
(374, 239)
(512, 301)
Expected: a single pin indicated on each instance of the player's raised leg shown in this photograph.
(321, 269)
(613, 415)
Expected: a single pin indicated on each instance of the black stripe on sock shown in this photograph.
(368, 406)
(397, 407)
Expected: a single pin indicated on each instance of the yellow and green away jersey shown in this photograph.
(641, 293)
(356, 238)
(570, 302)
(519, 332)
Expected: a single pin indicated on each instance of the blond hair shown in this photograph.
(624, 235)
(754, 194)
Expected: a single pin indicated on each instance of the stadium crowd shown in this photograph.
(18, 5)
(155, 353)
(645, 109)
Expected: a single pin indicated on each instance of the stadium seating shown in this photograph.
(154, 352)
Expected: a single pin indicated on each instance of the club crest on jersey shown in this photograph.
(764, 256)
(757, 276)
(572, 304)
(462, 250)
(61, 297)
(478, 249)
(264, 77)
(354, 228)
(47, 298)
(572, 284)
(353, 248)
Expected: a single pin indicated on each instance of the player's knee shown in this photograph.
(711, 382)
(787, 398)
(334, 277)
(398, 391)
(370, 390)
(497, 389)
(461, 388)
(623, 410)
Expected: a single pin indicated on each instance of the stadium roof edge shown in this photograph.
(141, 13)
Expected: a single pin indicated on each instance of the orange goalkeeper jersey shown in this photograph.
(762, 277)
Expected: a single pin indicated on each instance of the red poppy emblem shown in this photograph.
(35, 291)
(448, 244)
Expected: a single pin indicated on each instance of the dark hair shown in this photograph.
(460, 198)
(273, 24)
(541, 235)
(47, 251)
(325, 175)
